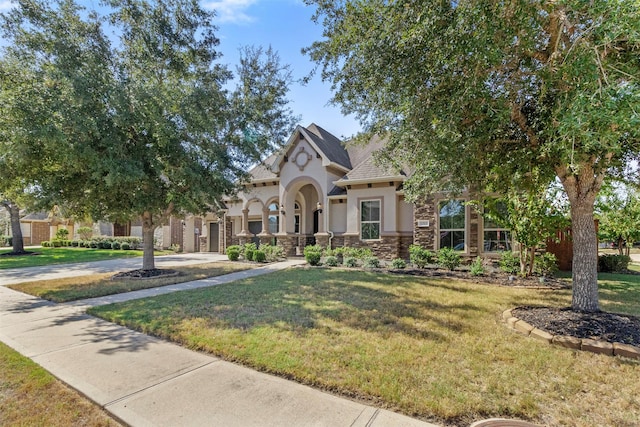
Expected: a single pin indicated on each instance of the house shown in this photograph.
(317, 190)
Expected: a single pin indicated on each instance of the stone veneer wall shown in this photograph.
(387, 248)
(425, 236)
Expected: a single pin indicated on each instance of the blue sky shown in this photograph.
(285, 25)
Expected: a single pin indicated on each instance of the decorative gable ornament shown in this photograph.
(302, 158)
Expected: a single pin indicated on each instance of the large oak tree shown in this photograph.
(495, 94)
(147, 125)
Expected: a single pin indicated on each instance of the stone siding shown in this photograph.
(425, 236)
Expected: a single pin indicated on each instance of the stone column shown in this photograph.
(265, 221)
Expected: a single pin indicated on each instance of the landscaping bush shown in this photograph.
(56, 243)
(421, 257)
(93, 244)
(62, 234)
(105, 244)
(546, 264)
(115, 245)
(274, 253)
(613, 263)
(509, 262)
(331, 261)
(357, 253)
(259, 256)
(350, 261)
(45, 244)
(398, 264)
(85, 233)
(313, 254)
(448, 258)
(75, 243)
(6, 241)
(125, 246)
(371, 262)
(233, 252)
(248, 250)
(477, 267)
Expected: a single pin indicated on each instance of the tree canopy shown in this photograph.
(145, 126)
(495, 95)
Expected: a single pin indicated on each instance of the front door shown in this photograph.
(214, 237)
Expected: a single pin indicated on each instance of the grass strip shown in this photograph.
(97, 285)
(431, 348)
(30, 396)
(50, 256)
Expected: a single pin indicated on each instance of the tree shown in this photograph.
(476, 94)
(148, 128)
(531, 218)
(619, 214)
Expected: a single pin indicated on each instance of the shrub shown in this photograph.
(259, 256)
(233, 252)
(6, 241)
(93, 244)
(613, 263)
(125, 246)
(105, 245)
(62, 234)
(477, 268)
(273, 252)
(248, 250)
(357, 253)
(371, 262)
(546, 264)
(448, 258)
(509, 262)
(421, 257)
(398, 264)
(350, 261)
(45, 244)
(75, 243)
(331, 261)
(56, 243)
(85, 233)
(313, 254)
(115, 245)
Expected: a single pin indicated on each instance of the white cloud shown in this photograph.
(5, 5)
(233, 11)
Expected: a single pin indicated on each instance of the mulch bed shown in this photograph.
(600, 326)
(497, 278)
(145, 274)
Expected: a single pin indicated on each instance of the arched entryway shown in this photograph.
(301, 218)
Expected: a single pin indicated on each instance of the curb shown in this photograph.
(582, 344)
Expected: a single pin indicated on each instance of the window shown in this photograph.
(274, 224)
(496, 238)
(296, 218)
(370, 219)
(452, 224)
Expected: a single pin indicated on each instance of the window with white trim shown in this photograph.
(296, 218)
(495, 237)
(370, 219)
(452, 216)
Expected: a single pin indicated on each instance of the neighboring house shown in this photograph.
(316, 190)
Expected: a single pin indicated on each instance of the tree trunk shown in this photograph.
(16, 230)
(582, 187)
(148, 231)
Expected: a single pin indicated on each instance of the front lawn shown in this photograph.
(30, 396)
(431, 348)
(98, 285)
(48, 256)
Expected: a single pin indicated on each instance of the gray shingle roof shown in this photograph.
(262, 171)
(329, 144)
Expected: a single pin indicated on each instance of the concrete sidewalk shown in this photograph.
(57, 271)
(145, 381)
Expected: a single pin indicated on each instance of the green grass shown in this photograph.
(49, 256)
(30, 396)
(435, 349)
(97, 285)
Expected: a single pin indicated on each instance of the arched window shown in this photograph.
(274, 223)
